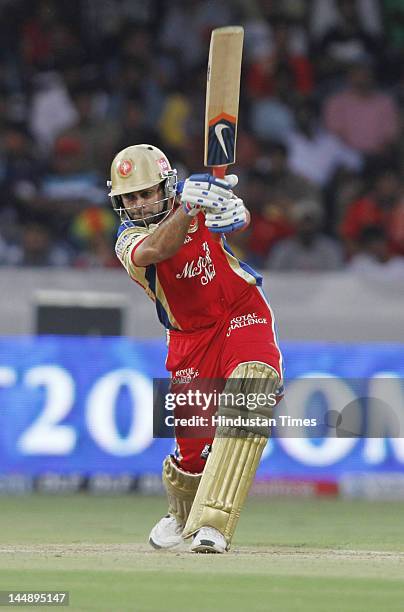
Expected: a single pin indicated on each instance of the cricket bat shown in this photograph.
(222, 98)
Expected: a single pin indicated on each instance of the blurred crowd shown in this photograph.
(320, 153)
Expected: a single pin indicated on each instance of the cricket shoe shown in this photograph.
(167, 533)
(208, 540)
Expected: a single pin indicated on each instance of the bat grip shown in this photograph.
(220, 171)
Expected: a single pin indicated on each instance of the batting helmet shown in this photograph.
(137, 168)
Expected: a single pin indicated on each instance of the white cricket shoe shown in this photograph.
(167, 533)
(208, 540)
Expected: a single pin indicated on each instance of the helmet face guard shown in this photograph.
(139, 168)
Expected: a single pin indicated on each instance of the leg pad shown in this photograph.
(233, 461)
(226, 481)
(181, 489)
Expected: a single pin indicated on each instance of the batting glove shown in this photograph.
(228, 218)
(204, 192)
(225, 214)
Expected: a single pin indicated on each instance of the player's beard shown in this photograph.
(151, 218)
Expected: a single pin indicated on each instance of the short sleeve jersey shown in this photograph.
(197, 285)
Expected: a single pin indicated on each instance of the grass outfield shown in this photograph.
(289, 555)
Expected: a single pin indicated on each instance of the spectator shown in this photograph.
(361, 115)
(94, 231)
(9, 253)
(64, 189)
(99, 253)
(280, 179)
(272, 117)
(262, 73)
(314, 152)
(269, 222)
(309, 250)
(272, 191)
(141, 80)
(345, 41)
(20, 176)
(132, 125)
(381, 206)
(37, 249)
(175, 118)
(249, 150)
(374, 256)
(394, 24)
(187, 26)
(326, 14)
(51, 110)
(36, 37)
(96, 138)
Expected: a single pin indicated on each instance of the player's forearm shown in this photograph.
(165, 240)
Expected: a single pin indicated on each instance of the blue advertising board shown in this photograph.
(83, 405)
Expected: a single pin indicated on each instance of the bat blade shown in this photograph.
(222, 97)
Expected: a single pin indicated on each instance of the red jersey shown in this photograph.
(196, 286)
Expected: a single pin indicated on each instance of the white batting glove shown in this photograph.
(205, 192)
(228, 218)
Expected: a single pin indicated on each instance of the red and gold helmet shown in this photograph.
(137, 168)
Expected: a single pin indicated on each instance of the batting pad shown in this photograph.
(227, 478)
(233, 461)
(181, 488)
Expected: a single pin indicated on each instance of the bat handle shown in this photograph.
(220, 171)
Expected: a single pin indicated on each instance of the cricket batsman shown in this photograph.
(219, 325)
